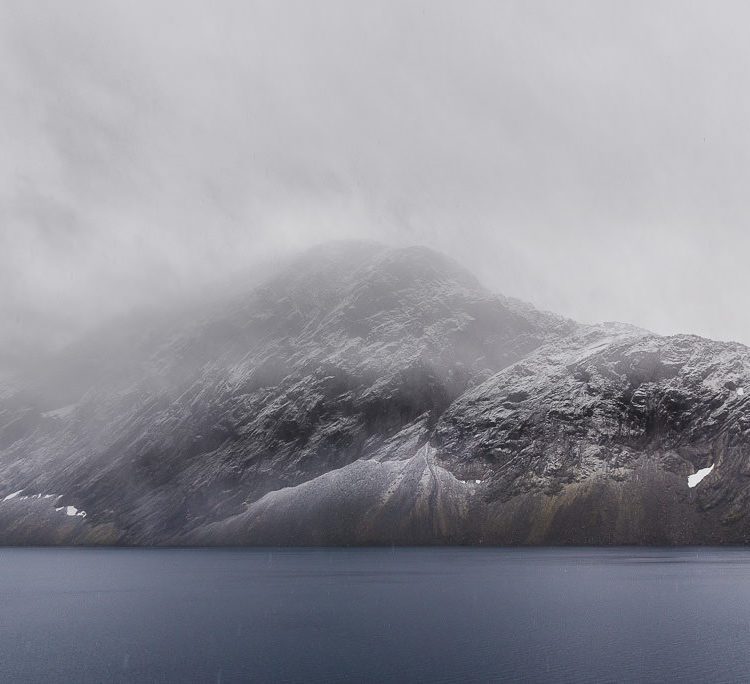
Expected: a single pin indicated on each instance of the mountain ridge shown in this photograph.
(367, 394)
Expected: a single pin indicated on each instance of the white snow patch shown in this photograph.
(26, 497)
(69, 510)
(72, 510)
(697, 477)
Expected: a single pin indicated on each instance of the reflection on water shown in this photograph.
(326, 615)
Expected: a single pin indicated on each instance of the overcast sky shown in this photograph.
(592, 158)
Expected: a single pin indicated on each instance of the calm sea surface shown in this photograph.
(357, 615)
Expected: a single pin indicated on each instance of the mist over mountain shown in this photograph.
(364, 394)
(588, 158)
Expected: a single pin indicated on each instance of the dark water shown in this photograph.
(433, 615)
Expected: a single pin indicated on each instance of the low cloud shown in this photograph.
(592, 158)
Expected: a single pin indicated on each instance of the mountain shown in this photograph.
(369, 395)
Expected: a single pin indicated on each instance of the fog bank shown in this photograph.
(589, 157)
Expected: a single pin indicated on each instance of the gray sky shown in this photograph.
(592, 158)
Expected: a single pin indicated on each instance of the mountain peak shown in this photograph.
(375, 394)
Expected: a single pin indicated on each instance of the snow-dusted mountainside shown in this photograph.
(374, 395)
(324, 364)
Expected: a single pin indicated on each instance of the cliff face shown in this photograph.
(371, 395)
(592, 440)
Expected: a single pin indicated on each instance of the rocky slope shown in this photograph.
(368, 395)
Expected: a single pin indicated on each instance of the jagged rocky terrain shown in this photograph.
(368, 395)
